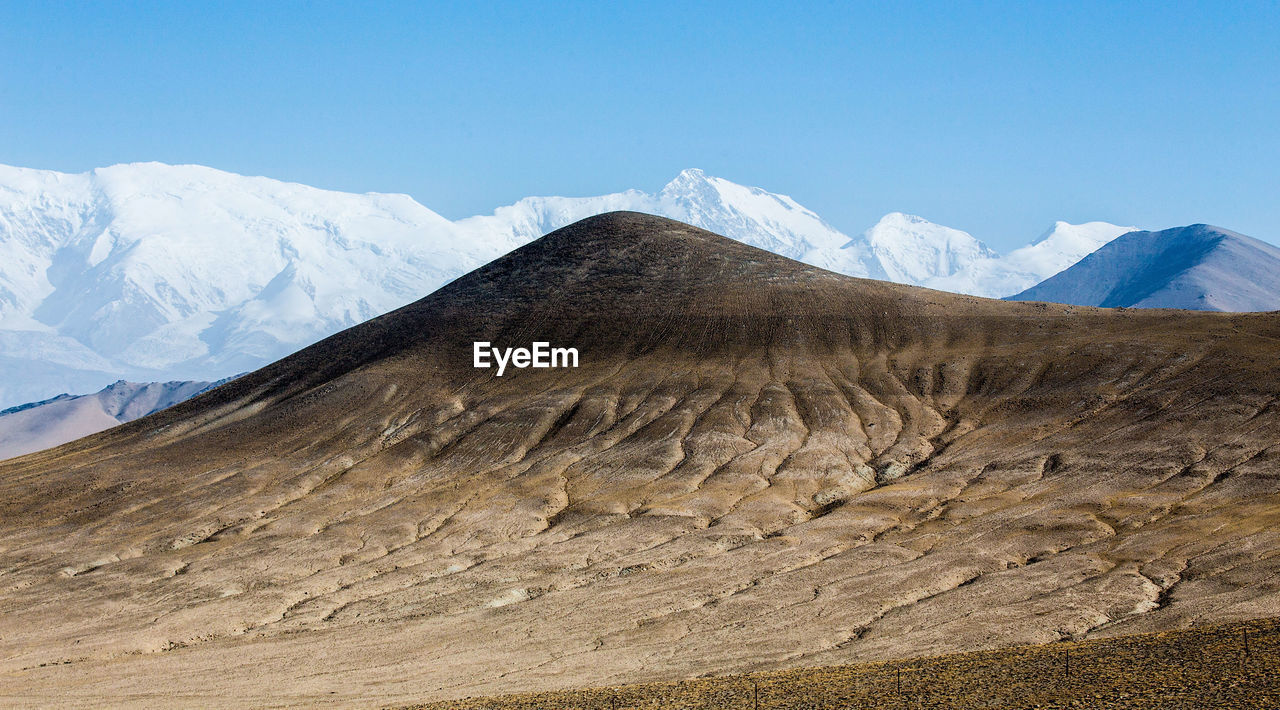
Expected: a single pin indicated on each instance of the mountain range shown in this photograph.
(152, 272)
(757, 465)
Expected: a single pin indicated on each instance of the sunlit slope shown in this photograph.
(758, 464)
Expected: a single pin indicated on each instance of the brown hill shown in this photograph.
(757, 465)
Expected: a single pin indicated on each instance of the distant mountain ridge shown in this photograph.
(1198, 267)
(41, 425)
(152, 272)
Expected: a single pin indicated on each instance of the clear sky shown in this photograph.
(996, 118)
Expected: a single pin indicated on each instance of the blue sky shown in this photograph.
(996, 118)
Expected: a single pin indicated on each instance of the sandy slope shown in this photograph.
(758, 465)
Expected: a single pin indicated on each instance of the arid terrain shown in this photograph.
(759, 465)
(1223, 666)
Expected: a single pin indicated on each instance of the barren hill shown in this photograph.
(757, 465)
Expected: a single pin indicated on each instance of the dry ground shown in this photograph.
(1205, 667)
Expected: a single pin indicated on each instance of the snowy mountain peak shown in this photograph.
(688, 176)
(1059, 227)
(1056, 249)
(749, 214)
(902, 219)
(1088, 235)
(693, 186)
(1061, 246)
(911, 249)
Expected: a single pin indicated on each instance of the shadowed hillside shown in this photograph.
(758, 465)
(1199, 267)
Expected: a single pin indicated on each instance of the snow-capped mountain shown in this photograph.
(153, 272)
(910, 249)
(996, 276)
(156, 272)
(1199, 267)
(40, 425)
(749, 214)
